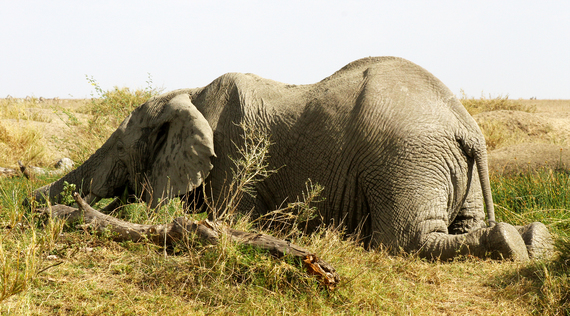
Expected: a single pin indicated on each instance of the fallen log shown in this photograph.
(7, 172)
(207, 231)
(61, 167)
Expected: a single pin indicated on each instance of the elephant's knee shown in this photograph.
(464, 224)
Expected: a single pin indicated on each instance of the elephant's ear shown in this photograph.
(182, 143)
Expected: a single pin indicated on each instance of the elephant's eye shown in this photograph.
(120, 148)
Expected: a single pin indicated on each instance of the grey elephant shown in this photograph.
(399, 157)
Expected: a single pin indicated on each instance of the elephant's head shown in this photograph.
(162, 149)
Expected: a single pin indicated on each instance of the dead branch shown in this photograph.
(180, 228)
(7, 172)
(62, 166)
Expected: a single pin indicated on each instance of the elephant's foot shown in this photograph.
(502, 241)
(538, 240)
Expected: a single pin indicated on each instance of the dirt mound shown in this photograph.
(55, 124)
(531, 125)
(517, 141)
(533, 156)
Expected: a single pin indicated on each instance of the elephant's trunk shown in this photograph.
(81, 177)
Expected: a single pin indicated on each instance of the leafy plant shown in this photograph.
(67, 193)
(112, 106)
(250, 169)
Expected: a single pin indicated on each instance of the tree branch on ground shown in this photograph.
(207, 231)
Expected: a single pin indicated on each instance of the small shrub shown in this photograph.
(114, 105)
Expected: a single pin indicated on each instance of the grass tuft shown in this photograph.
(21, 143)
(542, 195)
(25, 109)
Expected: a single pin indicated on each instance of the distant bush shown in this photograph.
(483, 104)
(114, 105)
(107, 110)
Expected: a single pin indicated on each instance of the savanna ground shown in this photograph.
(49, 268)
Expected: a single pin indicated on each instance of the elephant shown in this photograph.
(400, 159)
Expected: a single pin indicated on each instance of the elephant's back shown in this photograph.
(381, 118)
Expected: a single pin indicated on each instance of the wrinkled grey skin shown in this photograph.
(398, 155)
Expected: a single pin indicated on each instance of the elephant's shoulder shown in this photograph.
(245, 81)
(365, 64)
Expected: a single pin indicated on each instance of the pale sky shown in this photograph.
(520, 48)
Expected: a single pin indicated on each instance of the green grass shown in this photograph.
(538, 195)
(534, 195)
(96, 275)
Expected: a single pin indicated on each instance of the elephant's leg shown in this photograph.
(538, 240)
(421, 224)
(193, 201)
(468, 234)
(501, 241)
(471, 215)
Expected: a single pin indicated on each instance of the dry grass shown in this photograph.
(498, 134)
(26, 109)
(98, 276)
(506, 122)
(21, 143)
(501, 133)
(484, 104)
(26, 125)
(90, 275)
(19, 140)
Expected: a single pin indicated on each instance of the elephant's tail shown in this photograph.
(483, 170)
(478, 151)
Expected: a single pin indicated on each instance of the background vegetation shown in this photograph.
(48, 268)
